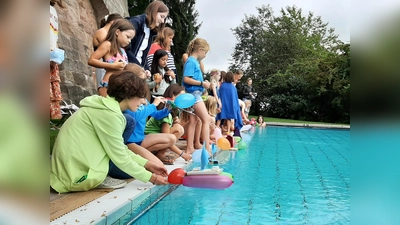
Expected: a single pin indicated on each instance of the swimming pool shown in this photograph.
(286, 176)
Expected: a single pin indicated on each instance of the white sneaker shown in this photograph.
(110, 182)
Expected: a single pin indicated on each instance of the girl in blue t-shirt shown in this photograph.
(194, 84)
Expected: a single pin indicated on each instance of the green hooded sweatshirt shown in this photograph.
(86, 143)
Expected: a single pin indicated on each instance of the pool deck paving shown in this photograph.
(111, 206)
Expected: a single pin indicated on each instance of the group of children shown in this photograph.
(154, 127)
(130, 129)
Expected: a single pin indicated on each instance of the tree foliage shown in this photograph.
(182, 18)
(297, 63)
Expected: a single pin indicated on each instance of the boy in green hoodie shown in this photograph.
(90, 146)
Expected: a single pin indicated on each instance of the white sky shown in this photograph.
(219, 16)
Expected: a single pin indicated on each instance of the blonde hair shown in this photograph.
(139, 72)
(211, 105)
(196, 44)
(136, 69)
(247, 103)
(213, 74)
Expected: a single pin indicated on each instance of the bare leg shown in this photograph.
(144, 153)
(201, 111)
(190, 133)
(228, 125)
(177, 130)
(197, 134)
(154, 142)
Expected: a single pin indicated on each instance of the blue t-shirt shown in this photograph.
(192, 69)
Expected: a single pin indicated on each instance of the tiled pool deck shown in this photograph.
(109, 208)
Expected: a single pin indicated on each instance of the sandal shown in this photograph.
(168, 160)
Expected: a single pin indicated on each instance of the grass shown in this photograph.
(279, 120)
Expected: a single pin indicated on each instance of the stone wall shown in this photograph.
(77, 23)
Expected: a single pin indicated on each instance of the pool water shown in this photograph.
(286, 176)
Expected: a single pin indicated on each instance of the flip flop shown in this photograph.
(167, 163)
(167, 160)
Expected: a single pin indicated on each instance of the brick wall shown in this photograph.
(77, 23)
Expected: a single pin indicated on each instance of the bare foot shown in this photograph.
(198, 146)
(189, 151)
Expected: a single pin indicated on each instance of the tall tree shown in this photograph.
(298, 63)
(182, 18)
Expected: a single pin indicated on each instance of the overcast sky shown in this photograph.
(219, 16)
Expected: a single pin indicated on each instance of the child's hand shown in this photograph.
(148, 74)
(186, 156)
(176, 120)
(171, 73)
(206, 84)
(157, 78)
(158, 100)
(161, 180)
(118, 65)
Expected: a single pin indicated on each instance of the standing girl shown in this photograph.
(215, 76)
(230, 103)
(147, 26)
(159, 69)
(100, 36)
(194, 84)
(112, 51)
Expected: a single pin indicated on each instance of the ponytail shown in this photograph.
(189, 49)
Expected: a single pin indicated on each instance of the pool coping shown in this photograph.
(113, 206)
(312, 125)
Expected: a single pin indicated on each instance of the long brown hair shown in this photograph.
(151, 14)
(162, 36)
(121, 25)
(109, 18)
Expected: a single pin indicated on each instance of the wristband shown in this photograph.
(155, 180)
(181, 154)
(201, 83)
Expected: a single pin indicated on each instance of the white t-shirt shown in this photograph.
(53, 28)
(145, 43)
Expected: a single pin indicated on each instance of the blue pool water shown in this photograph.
(286, 176)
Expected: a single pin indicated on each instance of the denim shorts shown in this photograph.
(197, 95)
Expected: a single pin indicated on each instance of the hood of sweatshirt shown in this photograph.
(99, 102)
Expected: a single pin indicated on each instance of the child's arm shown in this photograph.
(102, 51)
(159, 114)
(165, 128)
(194, 82)
(156, 80)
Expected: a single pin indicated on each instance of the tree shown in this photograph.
(182, 18)
(184, 21)
(279, 52)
